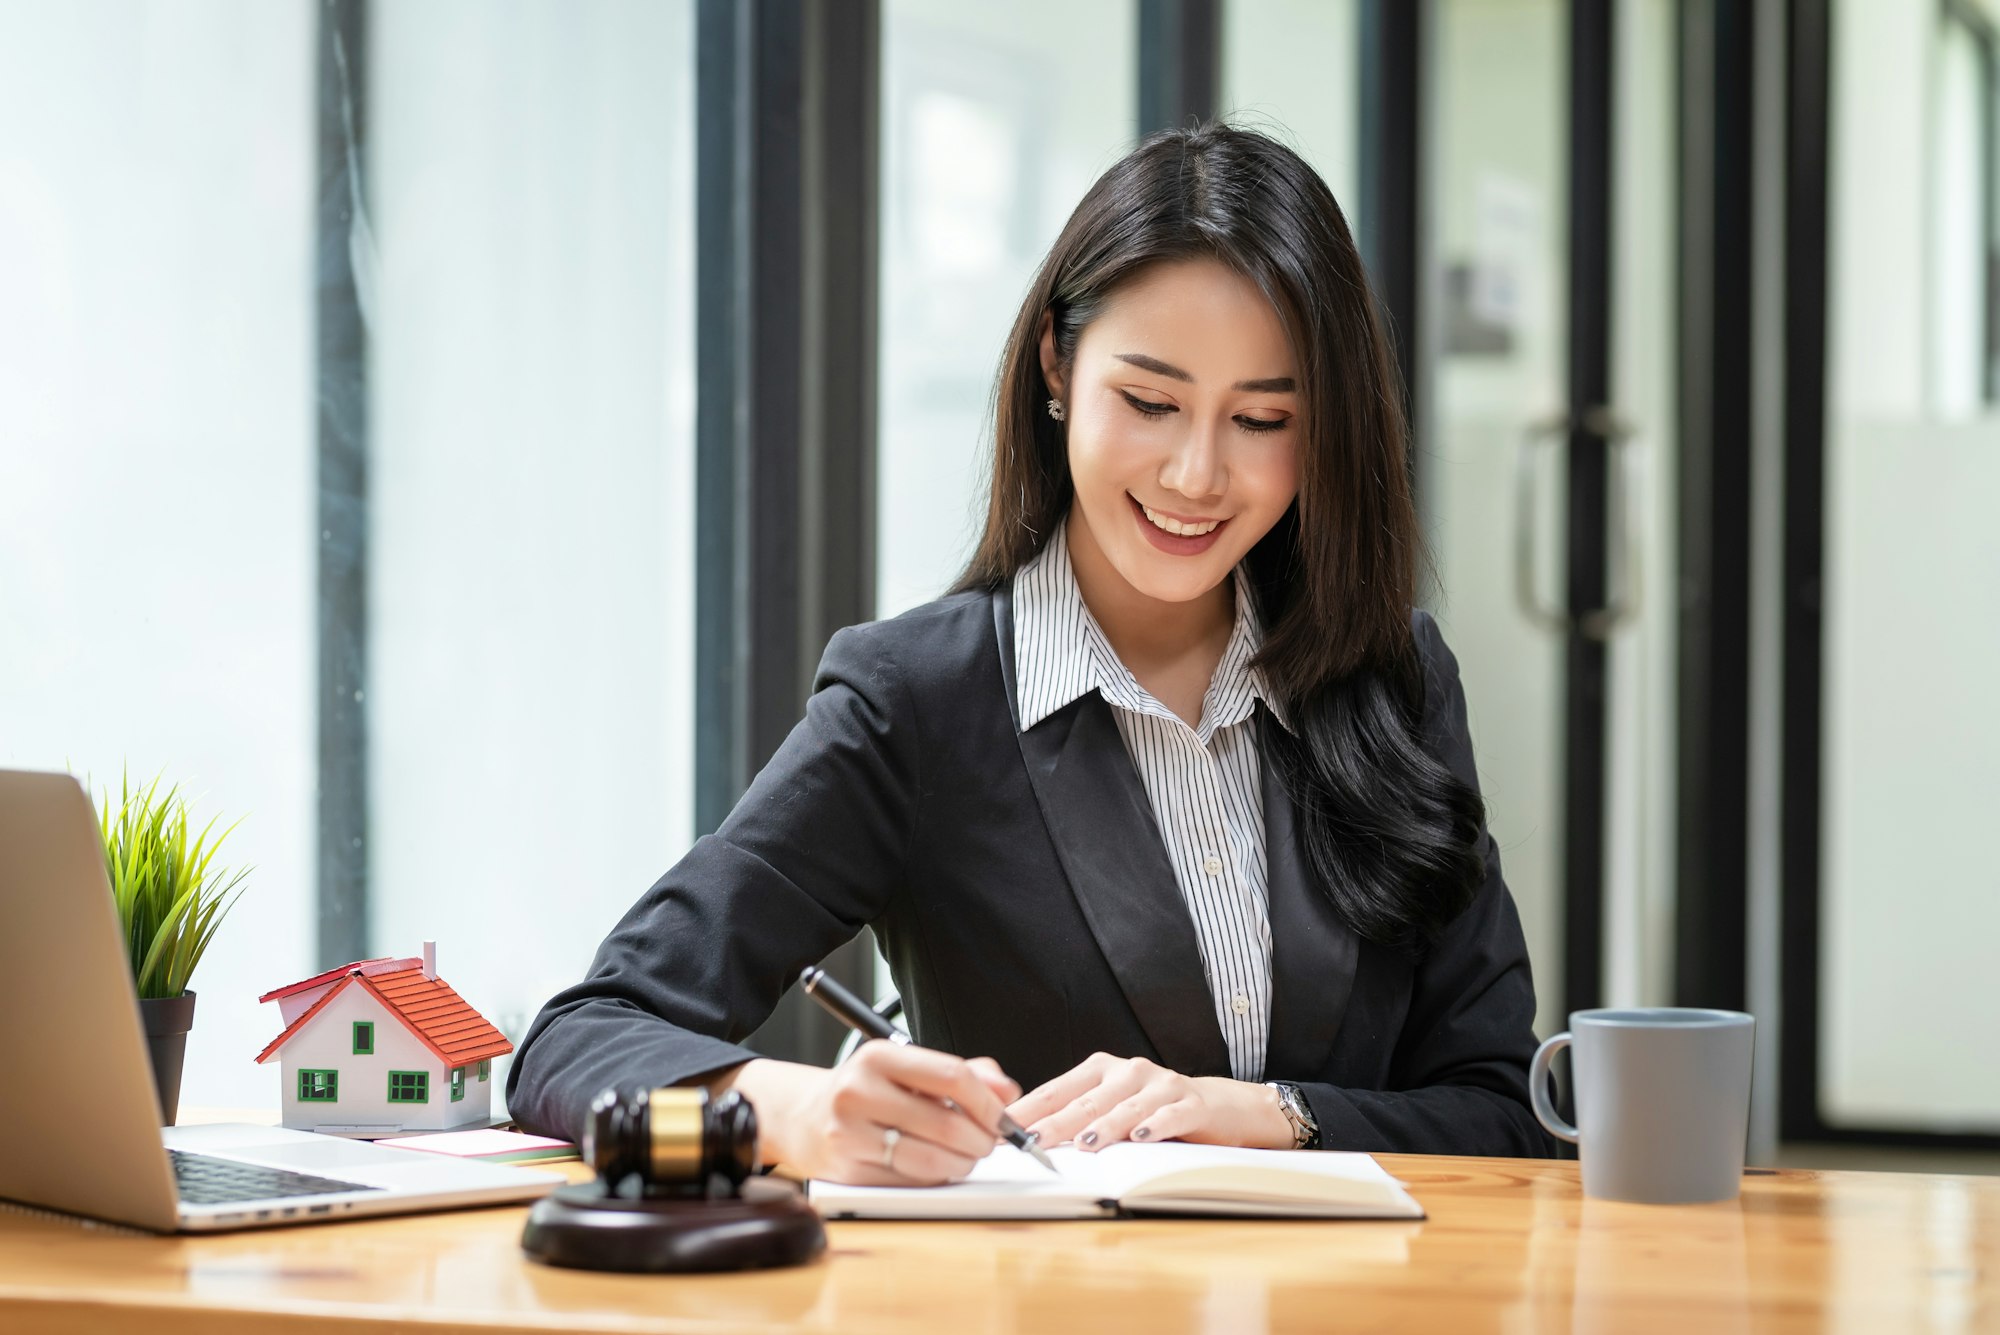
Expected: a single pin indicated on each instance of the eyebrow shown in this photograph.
(1281, 384)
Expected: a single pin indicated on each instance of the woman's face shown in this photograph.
(1182, 413)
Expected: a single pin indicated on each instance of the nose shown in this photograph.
(1195, 468)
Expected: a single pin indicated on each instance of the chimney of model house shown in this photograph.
(430, 959)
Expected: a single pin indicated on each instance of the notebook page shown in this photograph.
(1231, 1173)
(1006, 1184)
(1197, 1179)
(1010, 1185)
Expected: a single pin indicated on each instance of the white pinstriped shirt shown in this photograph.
(1204, 782)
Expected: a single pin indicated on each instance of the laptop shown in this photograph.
(79, 1115)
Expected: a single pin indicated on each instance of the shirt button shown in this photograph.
(1240, 1004)
(1213, 866)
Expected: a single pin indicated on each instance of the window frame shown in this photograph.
(1807, 502)
(330, 1083)
(1974, 24)
(364, 1029)
(457, 1084)
(423, 1087)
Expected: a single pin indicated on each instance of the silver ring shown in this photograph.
(890, 1136)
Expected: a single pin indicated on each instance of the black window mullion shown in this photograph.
(341, 352)
(1717, 188)
(1592, 52)
(1179, 62)
(1805, 496)
(719, 741)
(1388, 219)
(786, 151)
(1987, 39)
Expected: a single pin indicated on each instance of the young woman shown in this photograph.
(1168, 810)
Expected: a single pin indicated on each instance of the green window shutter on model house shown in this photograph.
(457, 1083)
(364, 1038)
(319, 1086)
(409, 1087)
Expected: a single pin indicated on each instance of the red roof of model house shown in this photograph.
(425, 1003)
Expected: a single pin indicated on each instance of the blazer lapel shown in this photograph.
(1313, 952)
(1101, 821)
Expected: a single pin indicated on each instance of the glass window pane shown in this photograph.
(1292, 69)
(995, 120)
(1911, 742)
(156, 447)
(1641, 765)
(1499, 180)
(532, 555)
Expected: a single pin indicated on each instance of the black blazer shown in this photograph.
(1022, 895)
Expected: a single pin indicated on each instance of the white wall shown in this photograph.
(156, 445)
(1911, 898)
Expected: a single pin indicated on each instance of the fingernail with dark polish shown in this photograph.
(1141, 1133)
(1090, 1137)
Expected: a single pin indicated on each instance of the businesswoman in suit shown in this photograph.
(1167, 811)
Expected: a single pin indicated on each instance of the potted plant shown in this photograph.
(170, 902)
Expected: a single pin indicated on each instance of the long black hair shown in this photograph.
(1390, 832)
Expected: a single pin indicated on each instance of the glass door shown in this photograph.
(1543, 458)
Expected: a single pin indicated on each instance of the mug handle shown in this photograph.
(1538, 1088)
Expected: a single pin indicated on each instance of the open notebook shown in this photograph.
(1129, 1178)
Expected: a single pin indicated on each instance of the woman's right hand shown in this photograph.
(833, 1124)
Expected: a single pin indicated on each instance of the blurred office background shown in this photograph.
(446, 433)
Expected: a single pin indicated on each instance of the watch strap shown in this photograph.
(1292, 1103)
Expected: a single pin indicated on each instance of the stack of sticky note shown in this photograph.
(491, 1146)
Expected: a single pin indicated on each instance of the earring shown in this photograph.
(1055, 410)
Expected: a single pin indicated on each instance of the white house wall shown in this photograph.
(327, 1043)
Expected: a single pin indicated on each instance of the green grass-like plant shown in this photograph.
(169, 902)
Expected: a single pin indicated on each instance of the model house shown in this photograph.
(383, 1045)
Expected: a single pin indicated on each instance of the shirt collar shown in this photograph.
(1061, 653)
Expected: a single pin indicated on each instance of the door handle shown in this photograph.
(1621, 603)
(1550, 431)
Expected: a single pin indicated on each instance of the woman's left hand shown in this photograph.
(1105, 1099)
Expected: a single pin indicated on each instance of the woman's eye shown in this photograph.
(1148, 407)
(1254, 425)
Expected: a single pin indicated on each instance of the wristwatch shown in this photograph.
(1292, 1103)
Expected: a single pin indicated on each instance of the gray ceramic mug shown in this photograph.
(1662, 1101)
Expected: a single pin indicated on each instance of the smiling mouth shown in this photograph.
(1179, 528)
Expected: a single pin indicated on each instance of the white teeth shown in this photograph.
(1176, 526)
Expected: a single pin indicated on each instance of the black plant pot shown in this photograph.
(168, 1020)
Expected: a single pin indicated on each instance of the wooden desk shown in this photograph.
(1509, 1245)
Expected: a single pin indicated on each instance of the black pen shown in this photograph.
(849, 1010)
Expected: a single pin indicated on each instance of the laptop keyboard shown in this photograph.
(204, 1180)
